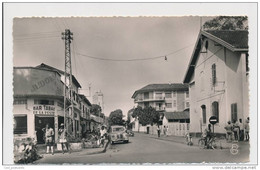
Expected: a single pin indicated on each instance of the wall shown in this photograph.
(226, 91)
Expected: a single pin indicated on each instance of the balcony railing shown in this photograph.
(159, 108)
(150, 99)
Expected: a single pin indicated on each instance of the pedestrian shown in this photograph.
(167, 130)
(63, 138)
(158, 131)
(103, 134)
(49, 138)
(228, 128)
(241, 130)
(164, 130)
(235, 130)
(247, 129)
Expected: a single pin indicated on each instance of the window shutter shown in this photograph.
(214, 79)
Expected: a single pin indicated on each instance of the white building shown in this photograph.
(98, 98)
(218, 79)
(168, 99)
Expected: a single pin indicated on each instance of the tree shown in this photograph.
(95, 110)
(146, 116)
(116, 118)
(138, 111)
(227, 23)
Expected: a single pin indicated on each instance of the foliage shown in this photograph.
(96, 110)
(116, 117)
(227, 23)
(146, 116)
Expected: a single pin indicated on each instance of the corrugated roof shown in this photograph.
(162, 87)
(177, 115)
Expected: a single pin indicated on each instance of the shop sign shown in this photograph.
(43, 109)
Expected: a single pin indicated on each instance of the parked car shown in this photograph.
(130, 133)
(118, 134)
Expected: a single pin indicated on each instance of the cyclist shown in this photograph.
(207, 135)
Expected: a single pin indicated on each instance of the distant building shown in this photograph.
(218, 79)
(168, 99)
(98, 98)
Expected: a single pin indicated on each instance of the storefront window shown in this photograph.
(20, 124)
(20, 101)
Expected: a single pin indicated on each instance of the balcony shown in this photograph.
(156, 99)
(159, 108)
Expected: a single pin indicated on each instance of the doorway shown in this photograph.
(40, 123)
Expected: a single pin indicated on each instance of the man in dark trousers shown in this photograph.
(158, 131)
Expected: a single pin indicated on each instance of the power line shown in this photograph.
(135, 59)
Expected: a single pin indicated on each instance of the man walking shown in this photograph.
(49, 137)
(158, 131)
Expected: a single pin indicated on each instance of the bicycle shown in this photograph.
(211, 144)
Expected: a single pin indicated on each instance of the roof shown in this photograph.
(45, 66)
(162, 87)
(177, 115)
(85, 99)
(234, 40)
(38, 68)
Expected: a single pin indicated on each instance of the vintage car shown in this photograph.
(118, 134)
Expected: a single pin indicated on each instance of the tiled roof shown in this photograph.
(236, 38)
(162, 87)
(177, 115)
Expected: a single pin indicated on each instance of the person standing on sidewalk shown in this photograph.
(228, 128)
(247, 129)
(63, 138)
(241, 130)
(164, 130)
(158, 131)
(235, 130)
(49, 138)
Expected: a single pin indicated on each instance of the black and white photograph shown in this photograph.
(128, 89)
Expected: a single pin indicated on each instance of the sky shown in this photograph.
(38, 40)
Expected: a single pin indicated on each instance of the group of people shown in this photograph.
(237, 131)
(50, 141)
(165, 130)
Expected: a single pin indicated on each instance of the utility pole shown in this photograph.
(68, 90)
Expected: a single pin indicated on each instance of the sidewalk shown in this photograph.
(87, 151)
(221, 143)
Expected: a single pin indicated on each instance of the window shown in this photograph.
(20, 124)
(174, 94)
(168, 95)
(20, 101)
(204, 118)
(44, 102)
(214, 77)
(187, 94)
(146, 95)
(215, 111)
(174, 103)
(202, 81)
(168, 105)
(234, 112)
(158, 95)
(187, 104)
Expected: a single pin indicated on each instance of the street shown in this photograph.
(144, 149)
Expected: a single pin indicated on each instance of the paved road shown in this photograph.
(144, 149)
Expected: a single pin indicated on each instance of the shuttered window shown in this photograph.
(234, 112)
(214, 77)
(203, 109)
(215, 110)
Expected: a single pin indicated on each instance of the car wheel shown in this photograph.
(112, 143)
(126, 141)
